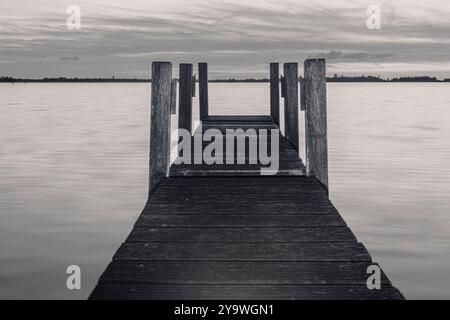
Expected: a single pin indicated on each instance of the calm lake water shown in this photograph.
(74, 167)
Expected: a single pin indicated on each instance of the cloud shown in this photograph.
(355, 56)
(74, 58)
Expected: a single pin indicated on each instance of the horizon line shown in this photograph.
(334, 78)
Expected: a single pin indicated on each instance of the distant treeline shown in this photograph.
(64, 79)
(335, 78)
(239, 80)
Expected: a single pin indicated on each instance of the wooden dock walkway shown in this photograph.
(226, 232)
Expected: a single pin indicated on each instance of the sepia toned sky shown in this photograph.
(237, 38)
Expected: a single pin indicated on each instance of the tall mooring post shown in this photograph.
(316, 120)
(203, 89)
(160, 122)
(185, 97)
(290, 93)
(173, 97)
(275, 92)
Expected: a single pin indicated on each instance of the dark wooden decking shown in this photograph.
(290, 163)
(221, 232)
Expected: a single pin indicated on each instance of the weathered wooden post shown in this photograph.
(173, 97)
(302, 94)
(316, 120)
(275, 92)
(203, 89)
(160, 122)
(185, 97)
(291, 103)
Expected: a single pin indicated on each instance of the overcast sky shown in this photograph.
(237, 38)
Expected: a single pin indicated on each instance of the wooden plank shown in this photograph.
(324, 251)
(256, 189)
(286, 165)
(160, 122)
(243, 153)
(250, 208)
(237, 198)
(235, 173)
(240, 220)
(275, 93)
(241, 292)
(194, 83)
(240, 157)
(173, 97)
(255, 140)
(223, 128)
(302, 94)
(185, 97)
(244, 125)
(240, 181)
(203, 89)
(240, 235)
(286, 169)
(316, 120)
(244, 118)
(291, 104)
(234, 272)
(252, 121)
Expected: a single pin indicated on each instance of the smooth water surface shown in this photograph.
(74, 175)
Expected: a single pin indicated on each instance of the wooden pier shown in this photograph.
(225, 231)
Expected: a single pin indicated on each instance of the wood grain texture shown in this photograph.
(227, 119)
(242, 292)
(160, 122)
(230, 198)
(265, 251)
(247, 137)
(173, 97)
(239, 220)
(316, 120)
(291, 104)
(242, 207)
(203, 89)
(238, 272)
(240, 234)
(252, 247)
(302, 94)
(185, 97)
(243, 181)
(240, 189)
(275, 93)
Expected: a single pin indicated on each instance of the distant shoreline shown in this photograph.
(125, 80)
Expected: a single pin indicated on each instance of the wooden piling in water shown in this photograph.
(275, 92)
(185, 97)
(316, 120)
(173, 97)
(291, 103)
(203, 89)
(160, 123)
(302, 93)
